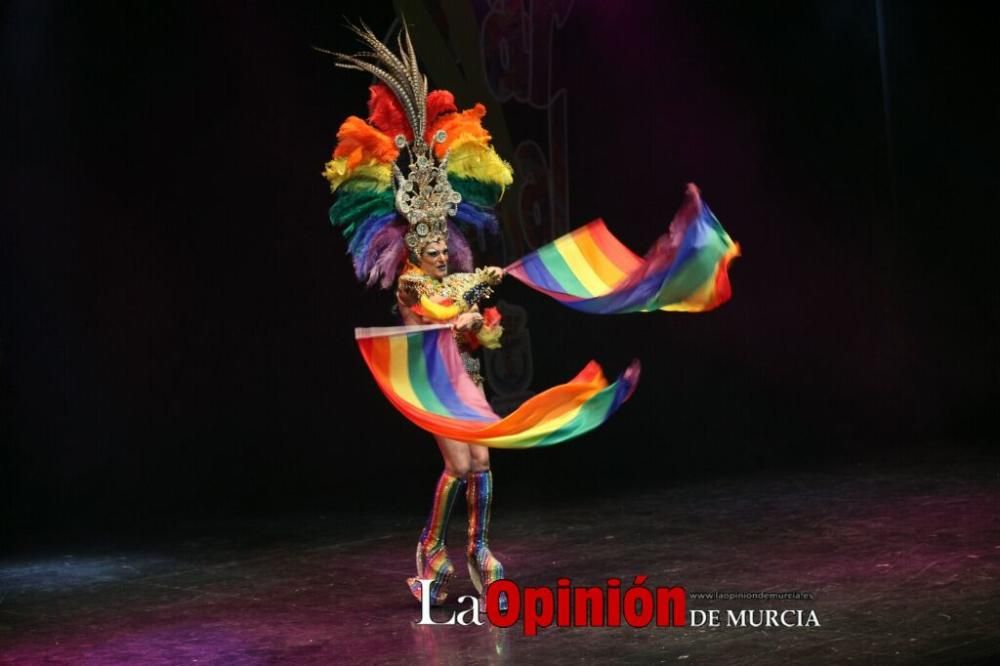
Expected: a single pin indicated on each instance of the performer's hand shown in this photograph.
(469, 321)
(495, 273)
(406, 297)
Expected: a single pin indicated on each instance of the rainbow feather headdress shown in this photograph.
(454, 176)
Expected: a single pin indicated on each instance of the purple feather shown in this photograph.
(366, 230)
(459, 252)
(383, 257)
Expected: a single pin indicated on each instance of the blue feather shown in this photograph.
(477, 217)
(362, 238)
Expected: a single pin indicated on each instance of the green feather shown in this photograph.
(352, 207)
(362, 184)
(475, 191)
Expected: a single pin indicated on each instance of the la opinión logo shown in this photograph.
(568, 606)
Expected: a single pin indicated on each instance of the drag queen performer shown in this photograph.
(406, 227)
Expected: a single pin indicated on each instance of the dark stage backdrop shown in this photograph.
(178, 313)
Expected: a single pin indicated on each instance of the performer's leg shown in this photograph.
(457, 456)
(484, 568)
(432, 556)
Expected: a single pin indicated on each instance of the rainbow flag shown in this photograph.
(590, 270)
(421, 372)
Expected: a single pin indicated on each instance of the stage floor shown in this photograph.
(902, 567)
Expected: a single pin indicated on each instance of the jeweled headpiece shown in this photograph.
(424, 195)
(451, 184)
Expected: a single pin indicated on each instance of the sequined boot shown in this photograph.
(432, 557)
(483, 567)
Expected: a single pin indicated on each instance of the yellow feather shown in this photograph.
(489, 336)
(470, 157)
(337, 172)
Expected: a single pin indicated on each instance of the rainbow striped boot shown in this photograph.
(432, 556)
(483, 567)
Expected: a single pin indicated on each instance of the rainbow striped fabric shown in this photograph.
(421, 372)
(590, 270)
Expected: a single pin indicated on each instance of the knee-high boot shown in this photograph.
(432, 556)
(483, 567)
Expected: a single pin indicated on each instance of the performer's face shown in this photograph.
(434, 259)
